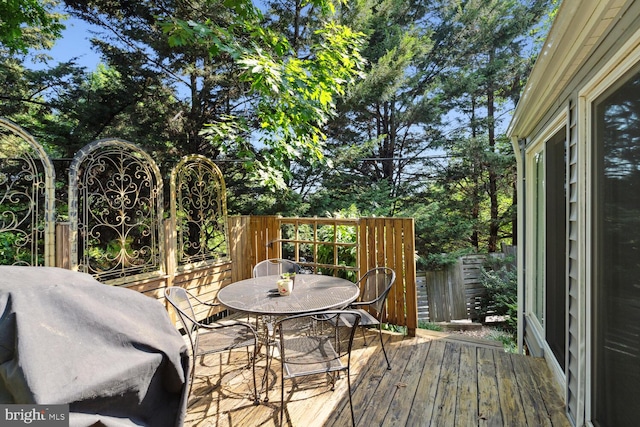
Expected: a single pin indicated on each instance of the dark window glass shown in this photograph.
(616, 293)
(556, 247)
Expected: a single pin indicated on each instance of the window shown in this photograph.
(555, 298)
(616, 230)
(547, 297)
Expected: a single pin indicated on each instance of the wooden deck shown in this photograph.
(436, 380)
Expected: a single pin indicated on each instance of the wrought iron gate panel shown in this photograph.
(199, 209)
(115, 211)
(27, 199)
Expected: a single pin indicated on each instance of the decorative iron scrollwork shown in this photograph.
(116, 211)
(26, 199)
(198, 205)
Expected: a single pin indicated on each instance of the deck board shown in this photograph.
(508, 392)
(382, 390)
(534, 409)
(435, 380)
(489, 411)
(406, 388)
(364, 377)
(447, 393)
(467, 400)
(423, 402)
(555, 407)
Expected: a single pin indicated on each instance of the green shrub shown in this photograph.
(15, 249)
(441, 261)
(430, 326)
(507, 339)
(394, 328)
(500, 280)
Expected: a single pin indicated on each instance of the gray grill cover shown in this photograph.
(111, 353)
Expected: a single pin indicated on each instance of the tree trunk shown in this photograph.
(493, 178)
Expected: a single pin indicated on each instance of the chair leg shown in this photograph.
(256, 400)
(282, 397)
(382, 343)
(364, 337)
(192, 377)
(353, 418)
(333, 377)
(194, 361)
(265, 378)
(249, 357)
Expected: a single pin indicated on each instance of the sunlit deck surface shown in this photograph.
(436, 379)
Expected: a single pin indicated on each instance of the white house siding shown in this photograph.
(573, 374)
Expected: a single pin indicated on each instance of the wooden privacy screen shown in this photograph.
(380, 242)
(389, 242)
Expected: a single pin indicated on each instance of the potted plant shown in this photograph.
(290, 276)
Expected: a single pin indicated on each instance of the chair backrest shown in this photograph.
(375, 286)
(328, 333)
(275, 266)
(180, 300)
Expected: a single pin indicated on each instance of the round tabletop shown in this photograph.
(311, 292)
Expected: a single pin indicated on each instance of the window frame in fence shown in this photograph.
(315, 242)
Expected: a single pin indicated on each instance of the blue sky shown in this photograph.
(74, 43)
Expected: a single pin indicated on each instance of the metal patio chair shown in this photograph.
(211, 338)
(272, 267)
(275, 266)
(312, 343)
(371, 304)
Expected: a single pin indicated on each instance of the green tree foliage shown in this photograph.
(462, 192)
(28, 23)
(27, 27)
(387, 121)
(179, 88)
(30, 98)
(292, 88)
(428, 120)
(483, 81)
(395, 107)
(66, 108)
(500, 280)
(232, 72)
(109, 103)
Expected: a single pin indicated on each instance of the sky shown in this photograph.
(74, 43)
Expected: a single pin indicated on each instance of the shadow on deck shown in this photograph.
(436, 380)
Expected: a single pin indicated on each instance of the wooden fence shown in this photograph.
(379, 242)
(454, 293)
